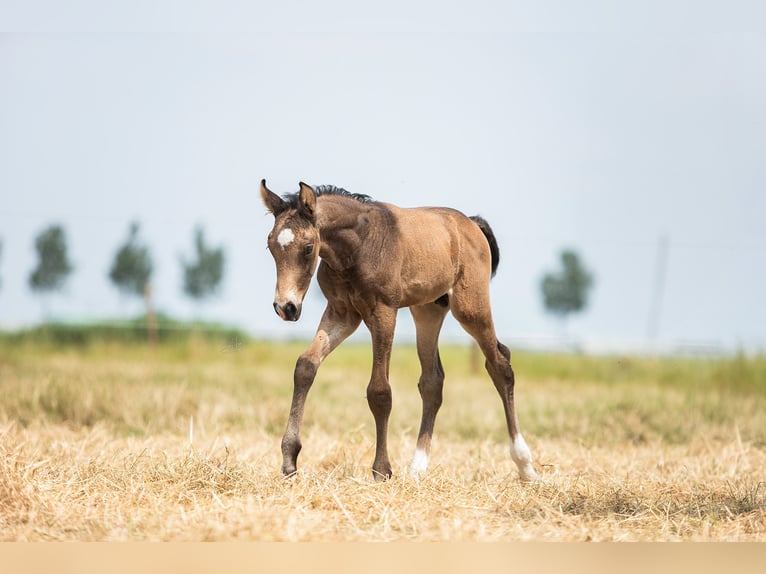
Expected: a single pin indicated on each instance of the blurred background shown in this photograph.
(618, 151)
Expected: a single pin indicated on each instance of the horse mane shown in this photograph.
(320, 190)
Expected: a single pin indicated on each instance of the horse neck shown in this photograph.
(340, 220)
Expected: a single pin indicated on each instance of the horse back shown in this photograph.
(436, 246)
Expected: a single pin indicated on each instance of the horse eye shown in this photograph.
(308, 250)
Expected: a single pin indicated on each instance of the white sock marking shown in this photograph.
(419, 463)
(285, 237)
(523, 458)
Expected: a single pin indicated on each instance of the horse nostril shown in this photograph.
(290, 310)
(276, 308)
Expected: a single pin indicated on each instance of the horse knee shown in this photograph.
(305, 371)
(430, 387)
(379, 399)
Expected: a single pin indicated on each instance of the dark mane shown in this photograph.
(320, 190)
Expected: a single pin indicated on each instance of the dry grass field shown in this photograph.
(120, 442)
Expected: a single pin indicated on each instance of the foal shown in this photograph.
(375, 259)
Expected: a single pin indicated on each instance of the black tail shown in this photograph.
(493, 248)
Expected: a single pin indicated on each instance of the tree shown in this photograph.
(53, 266)
(132, 267)
(566, 291)
(131, 273)
(203, 275)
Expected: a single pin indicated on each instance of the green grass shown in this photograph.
(247, 385)
(95, 445)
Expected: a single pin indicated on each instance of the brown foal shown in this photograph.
(375, 259)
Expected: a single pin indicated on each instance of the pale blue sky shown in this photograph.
(593, 125)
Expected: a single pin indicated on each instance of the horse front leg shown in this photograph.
(334, 328)
(381, 323)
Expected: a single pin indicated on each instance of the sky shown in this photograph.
(596, 126)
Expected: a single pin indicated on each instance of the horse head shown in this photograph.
(294, 244)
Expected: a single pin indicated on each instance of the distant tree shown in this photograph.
(132, 267)
(131, 273)
(566, 291)
(53, 265)
(204, 272)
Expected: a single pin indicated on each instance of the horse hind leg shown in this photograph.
(520, 452)
(500, 370)
(479, 325)
(428, 324)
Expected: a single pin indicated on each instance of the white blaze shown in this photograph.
(291, 296)
(285, 237)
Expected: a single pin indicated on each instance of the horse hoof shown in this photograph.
(381, 476)
(289, 472)
(528, 474)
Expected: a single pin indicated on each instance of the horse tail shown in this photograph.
(490, 235)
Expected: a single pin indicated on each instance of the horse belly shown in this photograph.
(428, 271)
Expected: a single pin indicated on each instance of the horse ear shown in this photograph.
(308, 200)
(271, 200)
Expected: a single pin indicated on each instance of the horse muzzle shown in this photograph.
(289, 311)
